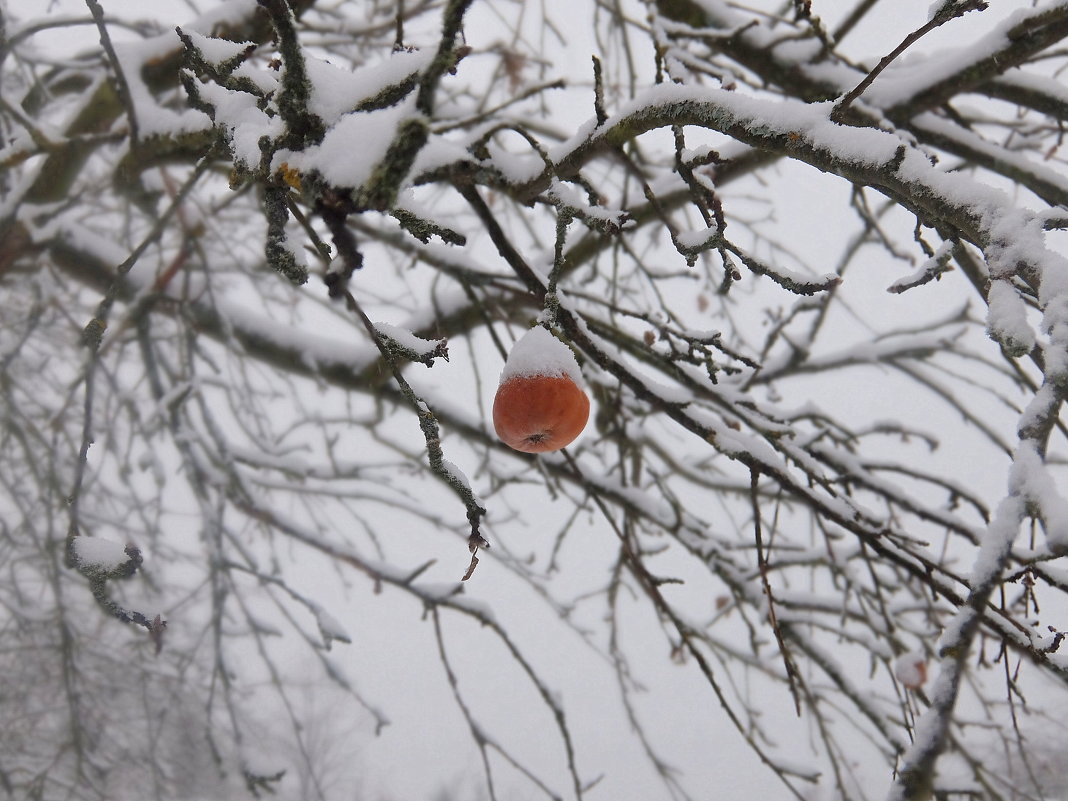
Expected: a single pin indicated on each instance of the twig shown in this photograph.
(428, 423)
(92, 337)
(598, 92)
(398, 41)
(950, 10)
(120, 76)
(792, 676)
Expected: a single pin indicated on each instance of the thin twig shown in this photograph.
(116, 66)
(792, 675)
(950, 10)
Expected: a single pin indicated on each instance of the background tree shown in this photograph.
(810, 260)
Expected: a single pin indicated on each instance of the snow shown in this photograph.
(515, 167)
(721, 14)
(152, 118)
(355, 141)
(265, 81)
(996, 542)
(336, 91)
(329, 627)
(650, 505)
(913, 73)
(932, 265)
(214, 50)
(226, 15)
(1016, 241)
(911, 669)
(1021, 79)
(1054, 354)
(669, 393)
(235, 318)
(1031, 479)
(987, 214)
(437, 591)
(722, 109)
(698, 239)
(352, 147)
(10, 200)
(456, 474)
(567, 196)
(539, 353)
(407, 340)
(940, 129)
(583, 132)
(437, 153)
(100, 554)
(936, 7)
(243, 121)
(1006, 319)
(1053, 291)
(408, 201)
(316, 351)
(700, 154)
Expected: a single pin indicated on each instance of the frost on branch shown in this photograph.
(104, 558)
(330, 627)
(100, 560)
(406, 345)
(1007, 319)
(341, 139)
